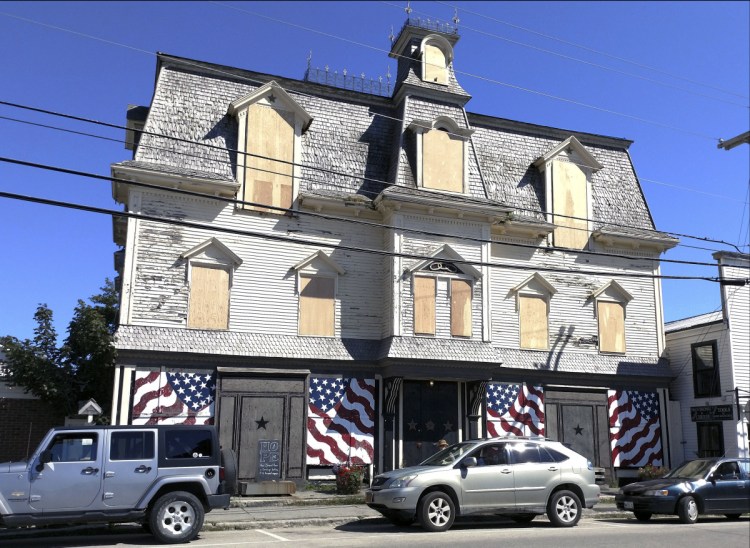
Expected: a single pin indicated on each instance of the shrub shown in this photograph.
(348, 478)
(651, 472)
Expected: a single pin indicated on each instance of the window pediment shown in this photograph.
(319, 263)
(272, 94)
(612, 291)
(572, 147)
(449, 256)
(213, 250)
(535, 285)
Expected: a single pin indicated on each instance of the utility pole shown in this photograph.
(734, 141)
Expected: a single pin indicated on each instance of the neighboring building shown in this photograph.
(420, 272)
(26, 419)
(710, 359)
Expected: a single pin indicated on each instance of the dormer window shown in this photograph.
(532, 304)
(270, 130)
(441, 154)
(568, 170)
(610, 301)
(317, 280)
(437, 55)
(210, 268)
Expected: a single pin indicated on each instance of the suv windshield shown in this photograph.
(449, 455)
(694, 469)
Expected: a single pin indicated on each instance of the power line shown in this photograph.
(304, 241)
(342, 174)
(479, 77)
(356, 221)
(583, 61)
(586, 48)
(490, 80)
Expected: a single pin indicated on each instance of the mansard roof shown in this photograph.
(364, 147)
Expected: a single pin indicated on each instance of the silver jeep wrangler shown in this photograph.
(165, 477)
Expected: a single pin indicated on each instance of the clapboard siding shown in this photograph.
(572, 311)
(681, 363)
(737, 311)
(264, 286)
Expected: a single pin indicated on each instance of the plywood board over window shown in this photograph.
(442, 161)
(209, 298)
(270, 144)
(424, 305)
(460, 308)
(317, 306)
(569, 198)
(534, 322)
(611, 327)
(435, 69)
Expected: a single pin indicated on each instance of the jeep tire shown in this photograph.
(229, 463)
(176, 517)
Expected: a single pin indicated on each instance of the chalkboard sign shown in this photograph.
(269, 459)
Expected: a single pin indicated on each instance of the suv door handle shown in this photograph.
(142, 469)
(553, 468)
(89, 471)
(505, 471)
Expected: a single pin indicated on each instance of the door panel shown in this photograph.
(262, 419)
(430, 413)
(577, 429)
(131, 467)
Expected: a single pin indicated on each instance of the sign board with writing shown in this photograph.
(711, 413)
(269, 459)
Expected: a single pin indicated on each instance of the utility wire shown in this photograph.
(497, 82)
(583, 61)
(316, 243)
(339, 173)
(356, 221)
(591, 50)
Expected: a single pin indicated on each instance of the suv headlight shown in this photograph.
(403, 482)
(656, 493)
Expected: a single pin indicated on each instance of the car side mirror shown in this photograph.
(469, 462)
(713, 477)
(44, 458)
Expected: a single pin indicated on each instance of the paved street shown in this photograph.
(619, 532)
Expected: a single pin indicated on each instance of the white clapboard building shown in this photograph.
(710, 359)
(356, 270)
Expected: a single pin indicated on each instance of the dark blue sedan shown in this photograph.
(702, 486)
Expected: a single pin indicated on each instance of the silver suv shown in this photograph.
(165, 477)
(517, 477)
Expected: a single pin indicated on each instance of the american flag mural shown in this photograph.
(634, 428)
(341, 420)
(515, 409)
(161, 397)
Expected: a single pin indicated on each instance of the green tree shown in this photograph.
(81, 368)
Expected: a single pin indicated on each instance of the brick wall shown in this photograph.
(24, 423)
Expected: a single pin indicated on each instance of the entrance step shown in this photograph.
(264, 488)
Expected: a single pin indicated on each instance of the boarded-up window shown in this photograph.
(569, 199)
(442, 161)
(424, 305)
(316, 306)
(534, 323)
(435, 69)
(268, 176)
(611, 326)
(460, 308)
(209, 298)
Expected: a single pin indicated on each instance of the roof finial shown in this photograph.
(456, 20)
(408, 8)
(391, 36)
(309, 60)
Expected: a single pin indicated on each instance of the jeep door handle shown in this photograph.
(143, 469)
(89, 471)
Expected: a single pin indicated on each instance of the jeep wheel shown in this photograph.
(564, 509)
(229, 462)
(436, 512)
(176, 517)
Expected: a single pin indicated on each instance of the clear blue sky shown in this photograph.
(676, 81)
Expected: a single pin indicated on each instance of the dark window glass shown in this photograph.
(491, 455)
(710, 439)
(523, 453)
(705, 370)
(187, 444)
(132, 446)
(554, 454)
(77, 447)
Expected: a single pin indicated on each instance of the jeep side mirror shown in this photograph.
(44, 458)
(469, 462)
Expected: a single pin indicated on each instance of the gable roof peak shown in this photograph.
(273, 92)
(571, 144)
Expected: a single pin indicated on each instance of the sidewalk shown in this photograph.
(317, 508)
